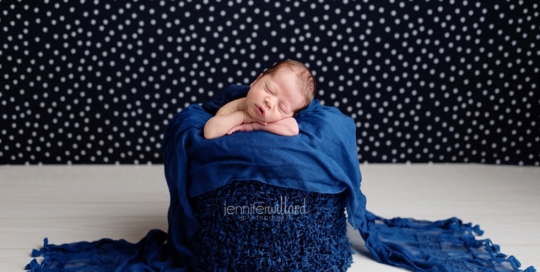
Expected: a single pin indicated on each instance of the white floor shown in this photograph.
(74, 203)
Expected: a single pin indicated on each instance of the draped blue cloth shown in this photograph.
(322, 158)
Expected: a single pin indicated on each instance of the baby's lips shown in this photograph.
(260, 110)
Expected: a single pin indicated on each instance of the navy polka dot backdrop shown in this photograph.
(425, 81)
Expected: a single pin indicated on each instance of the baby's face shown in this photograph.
(275, 97)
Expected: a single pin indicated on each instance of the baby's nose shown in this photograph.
(269, 102)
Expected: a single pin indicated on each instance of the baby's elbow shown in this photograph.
(290, 130)
(293, 131)
(208, 133)
(210, 129)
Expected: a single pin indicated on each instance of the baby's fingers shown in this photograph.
(242, 127)
(233, 130)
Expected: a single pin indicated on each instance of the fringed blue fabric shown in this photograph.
(107, 255)
(322, 159)
(445, 245)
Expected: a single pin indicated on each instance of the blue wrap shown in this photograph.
(322, 158)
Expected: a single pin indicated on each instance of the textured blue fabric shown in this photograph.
(312, 239)
(322, 159)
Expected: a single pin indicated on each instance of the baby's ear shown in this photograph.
(255, 81)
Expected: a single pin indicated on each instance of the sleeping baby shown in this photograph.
(271, 102)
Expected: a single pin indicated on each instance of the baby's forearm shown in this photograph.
(219, 125)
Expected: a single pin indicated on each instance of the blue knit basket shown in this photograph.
(252, 226)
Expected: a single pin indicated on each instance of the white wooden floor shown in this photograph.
(74, 203)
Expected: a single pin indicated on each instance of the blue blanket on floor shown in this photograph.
(322, 158)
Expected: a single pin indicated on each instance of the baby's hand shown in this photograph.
(242, 127)
(284, 127)
(249, 124)
(249, 120)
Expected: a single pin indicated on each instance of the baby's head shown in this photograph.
(304, 77)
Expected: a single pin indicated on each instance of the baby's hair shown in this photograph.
(305, 78)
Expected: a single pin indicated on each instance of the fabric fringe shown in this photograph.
(444, 245)
(107, 255)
